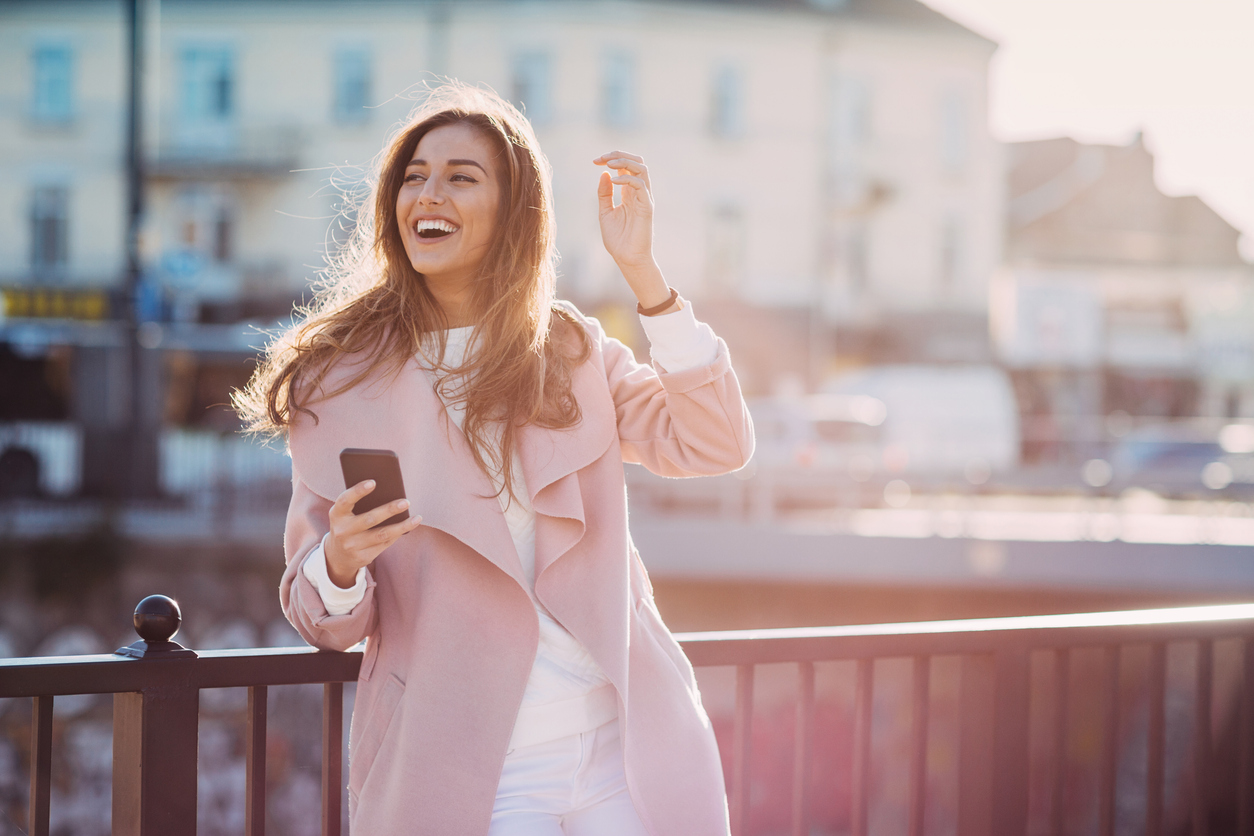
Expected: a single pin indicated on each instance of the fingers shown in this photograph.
(632, 182)
(377, 515)
(617, 155)
(344, 502)
(626, 163)
(389, 534)
(362, 547)
(605, 193)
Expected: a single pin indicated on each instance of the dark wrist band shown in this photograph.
(657, 309)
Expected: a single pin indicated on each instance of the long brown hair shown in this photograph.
(372, 300)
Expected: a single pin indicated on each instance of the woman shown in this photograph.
(517, 678)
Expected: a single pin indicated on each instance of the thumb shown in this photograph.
(605, 193)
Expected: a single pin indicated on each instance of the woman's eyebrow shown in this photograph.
(419, 161)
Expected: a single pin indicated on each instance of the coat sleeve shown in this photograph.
(688, 423)
(307, 522)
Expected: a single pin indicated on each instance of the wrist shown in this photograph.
(344, 580)
(646, 282)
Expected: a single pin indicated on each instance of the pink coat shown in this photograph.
(450, 630)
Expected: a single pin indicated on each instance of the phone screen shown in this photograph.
(359, 464)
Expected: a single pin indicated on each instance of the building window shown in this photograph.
(352, 85)
(531, 86)
(52, 97)
(727, 104)
(49, 238)
(725, 241)
(857, 258)
(850, 114)
(618, 90)
(950, 253)
(223, 235)
(953, 129)
(208, 84)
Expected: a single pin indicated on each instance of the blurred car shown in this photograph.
(818, 431)
(889, 421)
(1185, 455)
(940, 420)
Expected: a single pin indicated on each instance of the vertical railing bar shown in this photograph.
(1110, 743)
(40, 765)
(1245, 766)
(803, 737)
(1062, 710)
(861, 773)
(332, 755)
(1155, 761)
(918, 746)
(255, 763)
(1201, 737)
(742, 750)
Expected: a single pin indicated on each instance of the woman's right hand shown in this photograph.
(352, 542)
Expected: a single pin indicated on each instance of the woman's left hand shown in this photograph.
(627, 229)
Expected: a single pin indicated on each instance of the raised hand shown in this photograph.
(627, 229)
(353, 542)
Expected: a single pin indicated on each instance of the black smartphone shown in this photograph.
(360, 464)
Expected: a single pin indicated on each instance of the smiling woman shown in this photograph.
(517, 677)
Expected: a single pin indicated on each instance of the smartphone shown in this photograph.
(360, 464)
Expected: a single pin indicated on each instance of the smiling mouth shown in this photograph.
(430, 229)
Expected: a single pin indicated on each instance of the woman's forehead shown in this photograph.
(453, 142)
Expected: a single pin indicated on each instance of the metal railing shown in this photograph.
(157, 696)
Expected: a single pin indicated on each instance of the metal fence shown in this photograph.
(156, 703)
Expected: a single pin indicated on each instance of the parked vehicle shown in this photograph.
(940, 420)
(1186, 455)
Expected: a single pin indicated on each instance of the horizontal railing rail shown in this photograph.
(156, 709)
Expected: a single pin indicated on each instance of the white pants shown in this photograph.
(572, 786)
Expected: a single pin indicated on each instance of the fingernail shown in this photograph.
(369, 483)
(403, 504)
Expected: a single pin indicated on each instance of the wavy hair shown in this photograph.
(372, 301)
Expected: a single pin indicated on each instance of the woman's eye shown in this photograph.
(413, 178)
(463, 178)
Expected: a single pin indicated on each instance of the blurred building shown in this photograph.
(825, 180)
(1117, 299)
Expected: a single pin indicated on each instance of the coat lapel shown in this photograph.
(551, 460)
(401, 412)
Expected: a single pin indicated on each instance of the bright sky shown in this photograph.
(1182, 71)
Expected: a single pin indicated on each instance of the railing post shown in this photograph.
(155, 732)
(742, 749)
(40, 766)
(1010, 742)
(332, 756)
(993, 744)
(255, 763)
(803, 749)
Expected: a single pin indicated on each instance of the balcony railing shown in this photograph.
(156, 701)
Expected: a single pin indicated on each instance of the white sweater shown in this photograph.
(567, 692)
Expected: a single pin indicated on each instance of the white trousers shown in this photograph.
(572, 786)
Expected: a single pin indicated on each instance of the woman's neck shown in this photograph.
(454, 298)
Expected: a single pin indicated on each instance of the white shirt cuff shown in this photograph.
(677, 341)
(337, 600)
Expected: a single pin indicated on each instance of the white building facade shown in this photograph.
(831, 154)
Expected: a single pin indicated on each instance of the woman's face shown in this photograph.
(446, 207)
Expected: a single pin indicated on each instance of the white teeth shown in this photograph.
(442, 226)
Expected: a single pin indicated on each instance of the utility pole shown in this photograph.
(140, 471)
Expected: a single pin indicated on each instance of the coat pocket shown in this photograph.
(373, 733)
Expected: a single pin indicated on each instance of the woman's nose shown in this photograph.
(431, 192)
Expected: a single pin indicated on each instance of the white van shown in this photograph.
(940, 419)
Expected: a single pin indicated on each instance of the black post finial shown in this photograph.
(157, 618)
